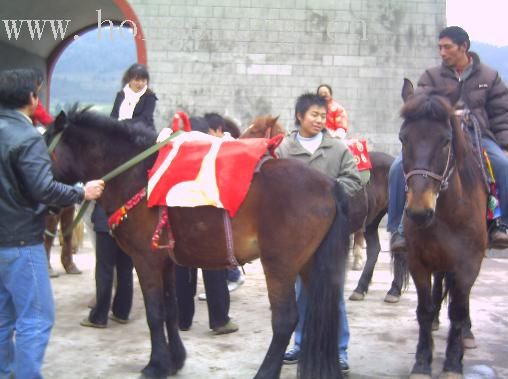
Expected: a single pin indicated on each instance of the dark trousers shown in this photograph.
(108, 257)
(217, 296)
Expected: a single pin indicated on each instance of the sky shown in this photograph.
(484, 20)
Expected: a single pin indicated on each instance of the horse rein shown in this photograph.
(443, 179)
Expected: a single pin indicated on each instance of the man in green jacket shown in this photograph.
(486, 96)
(312, 143)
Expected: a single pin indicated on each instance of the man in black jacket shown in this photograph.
(26, 184)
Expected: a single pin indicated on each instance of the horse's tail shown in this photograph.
(400, 270)
(319, 357)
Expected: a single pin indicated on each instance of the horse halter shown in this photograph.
(443, 179)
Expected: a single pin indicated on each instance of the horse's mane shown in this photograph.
(433, 105)
(85, 119)
(261, 124)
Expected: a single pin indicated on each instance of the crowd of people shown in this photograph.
(27, 187)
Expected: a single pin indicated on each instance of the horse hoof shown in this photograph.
(450, 375)
(357, 265)
(357, 296)
(435, 325)
(419, 376)
(52, 273)
(469, 343)
(391, 298)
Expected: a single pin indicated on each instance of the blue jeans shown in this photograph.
(26, 310)
(396, 194)
(396, 187)
(301, 301)
(234, 274)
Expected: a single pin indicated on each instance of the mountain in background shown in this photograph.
(494, 56)
(90, 70)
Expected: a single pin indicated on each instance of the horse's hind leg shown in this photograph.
(176, 348)
(358, 250)
(437, 297)
(281, 294)
(49, 237)
(373, 248)
(66, 218)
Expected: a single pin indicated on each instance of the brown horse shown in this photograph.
(445, 223)
(366, 211)
(285, 198)
(70, 241)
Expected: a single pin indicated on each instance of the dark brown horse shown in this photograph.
(285, 198)
(366, 211)
(445, 223)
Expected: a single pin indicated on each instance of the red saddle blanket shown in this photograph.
(197, 169)
(358, 148)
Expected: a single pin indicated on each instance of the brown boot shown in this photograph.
(398, 243)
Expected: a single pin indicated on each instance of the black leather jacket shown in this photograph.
(26, 182)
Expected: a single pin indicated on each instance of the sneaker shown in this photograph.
(118, 319)
(498, 236)
(86, 322)
(230, 327)
(202, 296)
(291, 356)
(233, 286)
(344, 366)
(397, 242)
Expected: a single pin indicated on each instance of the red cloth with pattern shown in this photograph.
(359, 150)
(197, 169)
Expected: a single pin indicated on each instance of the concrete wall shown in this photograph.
(248, 57)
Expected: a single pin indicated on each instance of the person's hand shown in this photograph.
(94, 189)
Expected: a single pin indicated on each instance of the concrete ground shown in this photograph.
(383, 336)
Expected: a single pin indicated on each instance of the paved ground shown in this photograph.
(382, 344)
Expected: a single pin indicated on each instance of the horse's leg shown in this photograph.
(467, 334)
(281, 294)
(358, 250)
(176, 348)
(400, 278)
(425, 314)
(150, 273)
(373, 248)
(437, 297)
(49, 237)
(66, 217)
(458, 314)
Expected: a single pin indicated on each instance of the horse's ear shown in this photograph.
(60, 121)
(272, 120)
(407, 89)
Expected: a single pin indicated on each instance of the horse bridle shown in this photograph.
(443, 179)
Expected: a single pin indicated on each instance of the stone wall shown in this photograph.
(243, 58)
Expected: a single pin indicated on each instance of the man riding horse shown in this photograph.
(483, 92)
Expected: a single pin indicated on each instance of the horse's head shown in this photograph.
(87, 144)
(430, 146)
(264, 127)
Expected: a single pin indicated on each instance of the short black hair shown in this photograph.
(457, 35)
(199, 124)
(135, 71)
(16, 86)
(324, 85)
(39, 76)
(215, 121)
(305, 101)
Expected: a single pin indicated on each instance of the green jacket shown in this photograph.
(332, 158)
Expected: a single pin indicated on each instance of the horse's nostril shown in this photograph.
(420, 217)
